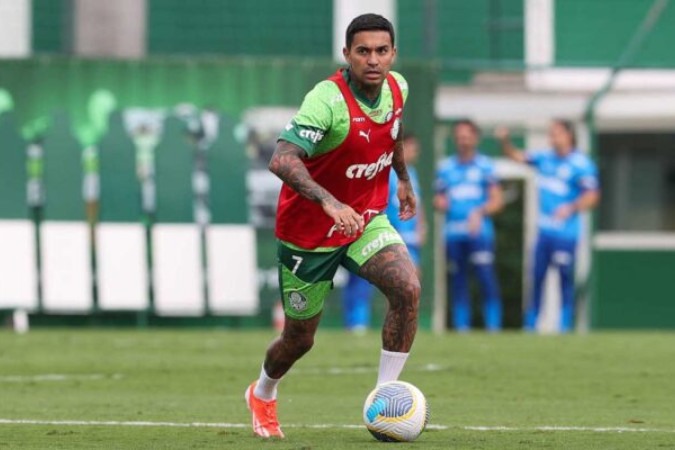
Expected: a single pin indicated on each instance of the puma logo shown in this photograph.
(365, 135)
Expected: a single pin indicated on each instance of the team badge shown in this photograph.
(564, 172)
(297, 301)
(473, 175)
(395, 128)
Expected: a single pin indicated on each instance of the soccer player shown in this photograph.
(358, 293)
(567, 185)
(334, 158)
(468, 193)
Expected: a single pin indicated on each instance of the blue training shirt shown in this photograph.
(408, 229)
(561, 180)
(466, 185)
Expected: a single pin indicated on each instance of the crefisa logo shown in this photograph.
(368, 171)
(312, 135)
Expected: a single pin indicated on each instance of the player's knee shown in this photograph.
(412, 290)
(305, 344)
(297, 341)
(301, 344)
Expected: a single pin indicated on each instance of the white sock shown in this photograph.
(266, 387)
(391, 365)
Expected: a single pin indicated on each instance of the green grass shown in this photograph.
(614, 380)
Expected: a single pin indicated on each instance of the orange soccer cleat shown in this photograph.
(264, 413)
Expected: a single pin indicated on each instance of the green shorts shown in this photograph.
(306, 276)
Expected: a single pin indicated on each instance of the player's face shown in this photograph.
(559, 136)
(411, 150)
(466, 139)
(370, 57)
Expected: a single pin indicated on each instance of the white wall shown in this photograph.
(15, 28)
(110, 28)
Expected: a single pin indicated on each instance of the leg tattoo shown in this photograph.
(395, 275)
(296, 340)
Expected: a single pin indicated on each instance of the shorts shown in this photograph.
(306, 276)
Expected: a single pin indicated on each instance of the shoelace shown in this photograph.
(270, 414)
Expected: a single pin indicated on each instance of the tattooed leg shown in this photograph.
(296, 340)
(394, 274)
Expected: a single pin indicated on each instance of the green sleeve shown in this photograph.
(314, 119)
(402, 85)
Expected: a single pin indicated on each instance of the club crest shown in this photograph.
(297, 301)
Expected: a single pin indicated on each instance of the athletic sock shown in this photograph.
(391, 365)
(266, 387)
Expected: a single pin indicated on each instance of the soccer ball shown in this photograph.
(396, 412)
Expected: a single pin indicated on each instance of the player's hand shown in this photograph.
(441, 203)
(347, 221)
(502, 134)
(475, 222)
(406, 197)
(564, 212)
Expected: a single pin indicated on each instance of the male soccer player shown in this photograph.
(567, 185)
(468, 193)
(334, 159)
(358, 293)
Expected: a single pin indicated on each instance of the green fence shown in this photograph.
(634, 289)
(596, 33)
(13, 172)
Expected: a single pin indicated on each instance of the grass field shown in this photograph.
(184, 389)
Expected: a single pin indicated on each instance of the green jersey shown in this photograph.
(322, 123)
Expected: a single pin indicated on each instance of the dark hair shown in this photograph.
(569, 128)
(408, 135)
(368, 22)
(468, 122)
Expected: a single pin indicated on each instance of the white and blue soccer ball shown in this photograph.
(396, 412)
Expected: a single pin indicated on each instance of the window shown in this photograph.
(637, 177)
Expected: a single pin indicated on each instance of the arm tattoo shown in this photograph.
(398, 163)
(286, 163)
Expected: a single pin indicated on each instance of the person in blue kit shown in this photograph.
(358, 293)
(468, 193)
(413, 231)
(567, 184)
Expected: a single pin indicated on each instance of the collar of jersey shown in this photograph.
(563, 158)
(469, 162)
(359, 96)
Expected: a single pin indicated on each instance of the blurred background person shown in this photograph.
(468, 193)
(413, 231)
(358, 293)
(567, 184)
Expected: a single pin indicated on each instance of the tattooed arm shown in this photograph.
(286, 163)
(405, 193)
(398, 161)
